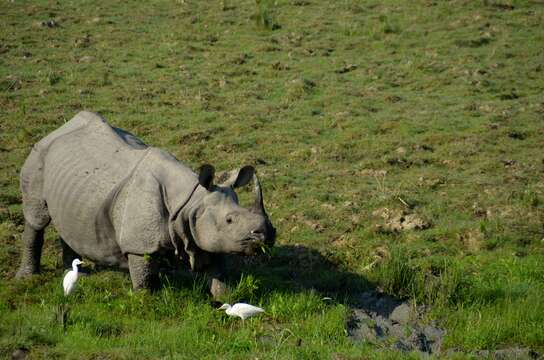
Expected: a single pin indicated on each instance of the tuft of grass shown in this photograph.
(263, 15)
(246, 289)
(397, 276)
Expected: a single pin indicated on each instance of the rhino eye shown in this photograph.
(229, 219)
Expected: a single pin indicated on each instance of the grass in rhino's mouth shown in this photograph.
(265, 249)
(254, 244)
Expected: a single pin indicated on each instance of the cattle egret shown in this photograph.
(70, 279)
(241, 310)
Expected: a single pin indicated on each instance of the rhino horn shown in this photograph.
(258, 208)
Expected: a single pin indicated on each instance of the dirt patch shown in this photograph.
(399, 220)
(472, 240)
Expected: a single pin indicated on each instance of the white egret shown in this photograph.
(70, 279)
(241, 310)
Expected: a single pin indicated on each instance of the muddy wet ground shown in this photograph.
(385, 321)
(399, 325)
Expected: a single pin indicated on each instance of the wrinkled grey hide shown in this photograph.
(119, 202)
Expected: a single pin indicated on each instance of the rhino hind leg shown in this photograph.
(35, 212)
(68, 254)
(31, 251)
(143, 272)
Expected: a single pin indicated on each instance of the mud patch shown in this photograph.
(502, 354)
(393, 324)
(388, 322)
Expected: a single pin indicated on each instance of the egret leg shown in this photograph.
(143, 272)
(31, 252)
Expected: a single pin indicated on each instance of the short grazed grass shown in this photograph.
(347, 108)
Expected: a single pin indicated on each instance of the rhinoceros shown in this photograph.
(119, 202)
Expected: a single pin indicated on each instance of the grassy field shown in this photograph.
(355, 113)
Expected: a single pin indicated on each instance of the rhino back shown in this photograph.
(83, 162)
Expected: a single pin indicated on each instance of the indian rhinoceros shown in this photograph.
(119, 202)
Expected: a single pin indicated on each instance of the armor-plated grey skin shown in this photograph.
(119, 202)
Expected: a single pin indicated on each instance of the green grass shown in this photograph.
(345, 107)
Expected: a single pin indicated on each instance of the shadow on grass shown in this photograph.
(290, 269)
(299, 268)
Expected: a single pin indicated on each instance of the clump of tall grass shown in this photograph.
(246, 289)
(389, 26)
(294, 306)
(263, 16)
(440, 281)
(396, 275)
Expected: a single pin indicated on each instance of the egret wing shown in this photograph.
(69, 282)
(247, 310)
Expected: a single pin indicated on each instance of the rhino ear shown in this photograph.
(237, 178)
(205, 176)
(245, 175)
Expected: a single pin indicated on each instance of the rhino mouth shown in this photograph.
(251, 244)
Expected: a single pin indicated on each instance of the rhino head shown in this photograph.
(217, 221)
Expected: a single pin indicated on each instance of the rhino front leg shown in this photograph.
(31, 252)
(143, 272)
(217, 275)
(218, 288)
